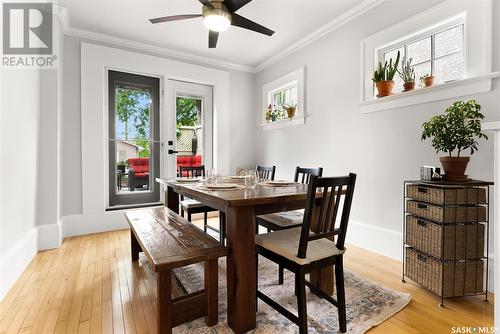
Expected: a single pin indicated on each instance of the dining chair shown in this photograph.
(289, 219)
(266, 173)
(316, 244)
(191, 206)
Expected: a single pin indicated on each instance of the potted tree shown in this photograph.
(407, 73)
(453, 132)
(383, 76)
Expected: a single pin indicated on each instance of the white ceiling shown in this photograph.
(291, 19)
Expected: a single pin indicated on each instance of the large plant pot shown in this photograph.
(454, 167)
(384, 88)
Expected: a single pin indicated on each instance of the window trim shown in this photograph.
(281, 83)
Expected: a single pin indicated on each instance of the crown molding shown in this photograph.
(144, 47)
(337, 22)
(63, 19)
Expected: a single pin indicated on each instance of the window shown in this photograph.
(283, 99)
(134, 150)
(279, 100)
(439, 53)
(451, 40)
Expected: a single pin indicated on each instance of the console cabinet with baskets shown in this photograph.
(445, 236)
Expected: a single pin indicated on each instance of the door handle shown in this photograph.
(170, 151)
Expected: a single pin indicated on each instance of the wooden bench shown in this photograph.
(169, 241)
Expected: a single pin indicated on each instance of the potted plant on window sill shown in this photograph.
(427, 80)
(407, 73)
(383, 76)
(456, 130)
(291, 110)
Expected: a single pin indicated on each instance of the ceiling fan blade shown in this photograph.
(174, 18)
(240, 21)
(205, 2)
(234, 5)
(213, 36)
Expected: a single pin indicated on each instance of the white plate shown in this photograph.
(238, 177)
(280, 183)
(187, 179)
(221, 186)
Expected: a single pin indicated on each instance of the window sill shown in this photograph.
(469, 86)
(283, 123)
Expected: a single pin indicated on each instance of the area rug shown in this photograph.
(368, 304)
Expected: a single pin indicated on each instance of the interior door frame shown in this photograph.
(177, 87)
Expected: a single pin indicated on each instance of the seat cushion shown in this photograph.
(191, 204)
(286, 244)
(141, 175)
(285, 219)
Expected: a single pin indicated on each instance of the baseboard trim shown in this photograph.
(49, 236)
(14, 262)
(376, 239)
(93, 223)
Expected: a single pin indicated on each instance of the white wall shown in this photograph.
(383, 148)
(20, 110)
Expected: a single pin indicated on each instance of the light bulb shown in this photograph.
(217, 22)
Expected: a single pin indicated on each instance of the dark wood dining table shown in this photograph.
(240, 206)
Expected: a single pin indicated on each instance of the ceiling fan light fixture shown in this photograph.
(216, 18)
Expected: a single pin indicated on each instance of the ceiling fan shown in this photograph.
(218, 15)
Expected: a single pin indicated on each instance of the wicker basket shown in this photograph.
(426, 237)
(451, 214)
(446, 196)
(460, 277)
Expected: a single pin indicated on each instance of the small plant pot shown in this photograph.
(409, 86)
(384, 88)
(291, 112)
(429, 81)
(454, 167)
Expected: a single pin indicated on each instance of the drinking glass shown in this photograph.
(251, 179)
(212, 177)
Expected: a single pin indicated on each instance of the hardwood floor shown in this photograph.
(89, 285)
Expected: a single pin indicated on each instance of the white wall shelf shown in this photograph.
(469, 86)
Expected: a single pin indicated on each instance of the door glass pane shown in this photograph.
(449, 67)
(420, 51)
(132, 142)
(189, 132)
(449, 41)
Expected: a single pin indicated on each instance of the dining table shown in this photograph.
(240, 205)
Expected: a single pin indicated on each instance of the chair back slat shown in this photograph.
(304, 174)
(191, 171)
(266, 173)
(335, 199)
(326, 196)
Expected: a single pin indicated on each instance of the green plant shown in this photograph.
(422, 79)
(407, 72)
(457, 129)
(386, 72)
